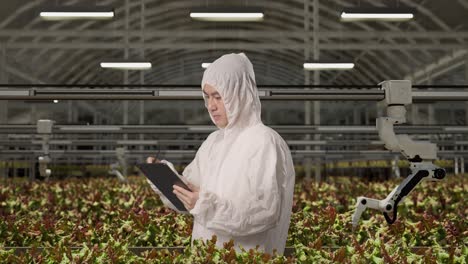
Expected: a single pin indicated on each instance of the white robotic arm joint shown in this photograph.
(424, 171)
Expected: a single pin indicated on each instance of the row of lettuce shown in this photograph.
(80, 220)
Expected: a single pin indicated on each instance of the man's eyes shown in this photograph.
(215, 97)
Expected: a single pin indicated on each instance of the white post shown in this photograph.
(142, 74)
(316, 17)
(126, 56)
(3, 105)
(466, 81)
(462, 165)
(32, 168)
(307, 104)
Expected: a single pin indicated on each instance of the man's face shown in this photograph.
(215, 105)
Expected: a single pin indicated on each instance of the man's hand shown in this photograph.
(188, 198)
(152, 160)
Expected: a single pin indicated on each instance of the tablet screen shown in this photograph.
(164, 178)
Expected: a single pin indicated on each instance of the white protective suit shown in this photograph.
(245, 171)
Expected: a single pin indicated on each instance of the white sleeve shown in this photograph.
(253, 214)
(191, 173)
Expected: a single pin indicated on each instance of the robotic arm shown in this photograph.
(420, 154)
(388, 206)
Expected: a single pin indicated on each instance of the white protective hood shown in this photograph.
(245, 171)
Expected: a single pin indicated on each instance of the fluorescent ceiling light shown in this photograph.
(385, 14)
(126, 65)
(233, 17)
(317, 66)
(74, 12)
(205, 65)
(228, 14)
(76, 15)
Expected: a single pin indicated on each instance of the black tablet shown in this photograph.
(164, 178)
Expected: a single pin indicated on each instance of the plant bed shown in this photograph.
(100, 218)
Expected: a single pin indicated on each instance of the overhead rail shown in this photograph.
(330, 154)
(34, 94)
(200, 129)
(133, 159)
(164, 142)
(364, 92)
(197, 86)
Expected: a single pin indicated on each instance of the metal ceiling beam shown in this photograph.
(18, 73)
(17, 13)
(177, 16)
(172, 57)
(177, 5)
(422, 10)
(93, 45)
(442, 65)
(180, 5)
(114, 25)
(155, 17)
(234, 33)
(14, 70)
(28, 77)
(377, 59)
(184, 6)
(394, 57)
(463, 3)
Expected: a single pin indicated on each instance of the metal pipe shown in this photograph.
(199, 129)
(270, 94)
(369, 154)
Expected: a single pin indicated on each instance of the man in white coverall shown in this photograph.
(242, 177)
